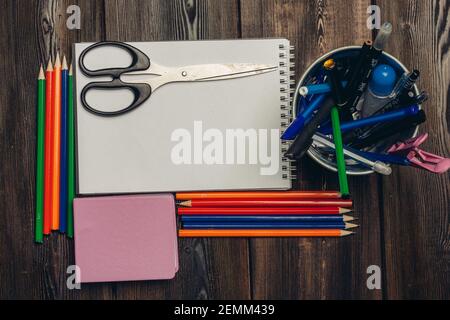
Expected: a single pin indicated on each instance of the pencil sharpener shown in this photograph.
(326, 156)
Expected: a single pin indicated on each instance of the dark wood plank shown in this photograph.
(202, 273)
(38, 30)
(416, 204)
(316, 268)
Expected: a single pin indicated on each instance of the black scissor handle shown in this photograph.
(141, 92)
(140, 61)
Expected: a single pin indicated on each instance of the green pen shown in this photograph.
(70, 155)
(336, 86)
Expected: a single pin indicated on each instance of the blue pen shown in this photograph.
(297, 125)
(317, 89)
(385, 117)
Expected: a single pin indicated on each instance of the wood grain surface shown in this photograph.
(404, 218)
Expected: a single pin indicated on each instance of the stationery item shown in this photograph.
(267, 203)
(63, 158)
(303, 140)
(377, 166)
(387, 158)
(56, 143)
(125, 238)
(320, 88)
(249, 195)
(337, 92)
(380, 132)
(403, 101)
(379, 89)
(405, 83)
(165, 144)
(297, 125)
(70, 154)
(386, 117)
(267, 218)
(264, 211)
(290, 225)
(160, 75)
(419, 158)
(362, 71)
(261, 233)
(39, 227)
(48, 149)
(383, 36)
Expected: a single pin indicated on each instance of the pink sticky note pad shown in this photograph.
(125, 238)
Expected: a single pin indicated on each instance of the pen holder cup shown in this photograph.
(326, 158)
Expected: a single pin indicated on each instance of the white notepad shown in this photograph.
(140, 151)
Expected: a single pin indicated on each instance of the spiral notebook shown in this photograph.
(212, 135)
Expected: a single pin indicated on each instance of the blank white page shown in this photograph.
(131, 153)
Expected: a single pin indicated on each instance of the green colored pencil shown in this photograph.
(70, 155)
(340, 160)
(39, 224)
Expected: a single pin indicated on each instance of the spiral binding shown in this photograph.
(287, 88)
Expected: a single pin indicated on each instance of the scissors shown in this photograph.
(158, 75)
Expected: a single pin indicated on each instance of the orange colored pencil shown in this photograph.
(48, 149)
(262, 233)
(56, 142)
(293, 195)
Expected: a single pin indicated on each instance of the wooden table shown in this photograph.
(404, 218)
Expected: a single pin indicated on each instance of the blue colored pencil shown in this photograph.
(243, 225)
(266, 219)
(64, 159)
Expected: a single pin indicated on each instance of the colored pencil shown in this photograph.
(63, 156)
(56, 143)
(246, 226)
(267, 203)
(70, 155)
(339, 149)
(39, 227)
(264, 211)
(265, 219)
(48, 150)
(293, 195)
(261, 233)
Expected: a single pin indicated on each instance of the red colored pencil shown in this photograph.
(267, 203)
(263, 195)
(264, 211)
(48, 148)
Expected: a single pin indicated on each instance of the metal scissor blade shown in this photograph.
(211, 72)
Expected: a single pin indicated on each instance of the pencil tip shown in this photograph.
(186, 203)
(346, 233)
(41, 73)
(344, 210)
(70, 70)
(351, 226)
(64, 63)
(57, 60)
(50, 65)
(348, 218)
